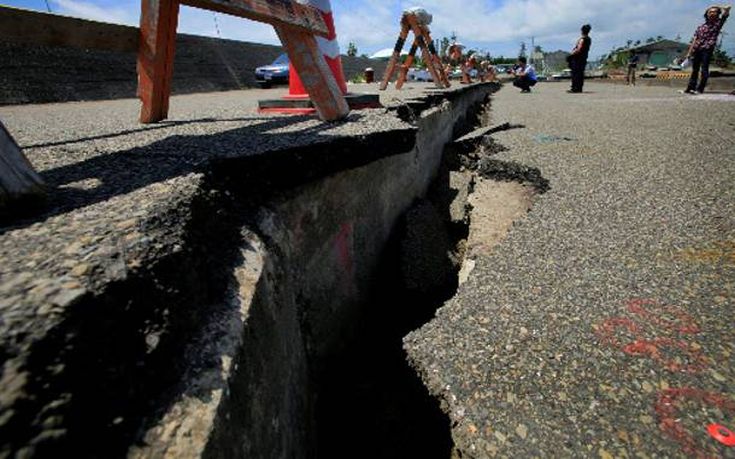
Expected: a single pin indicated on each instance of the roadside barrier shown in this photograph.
(296, 24)
(673, 75)
(298, 100)
(415, 20)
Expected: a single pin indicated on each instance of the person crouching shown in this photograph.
(525, 75)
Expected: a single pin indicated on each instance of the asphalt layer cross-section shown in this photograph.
(602, 326)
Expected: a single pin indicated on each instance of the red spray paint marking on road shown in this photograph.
(606, 330)
(684, 323)
(671, 401)
(653, 350)
(668, 414)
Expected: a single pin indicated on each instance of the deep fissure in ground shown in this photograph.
(371, 403)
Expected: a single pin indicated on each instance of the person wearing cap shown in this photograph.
(578, 59)
(454, 53)
(525, 75)
(703, 46)
(453, 57)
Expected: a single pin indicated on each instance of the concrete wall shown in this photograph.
(50, 58)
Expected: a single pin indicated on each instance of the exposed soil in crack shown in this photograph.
(495, 207)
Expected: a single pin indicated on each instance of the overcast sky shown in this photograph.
(496, 26)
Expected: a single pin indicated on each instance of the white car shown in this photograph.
(566, 73)
(457, 73)
(415, 74)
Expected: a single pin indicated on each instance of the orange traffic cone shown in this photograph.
(297, 100)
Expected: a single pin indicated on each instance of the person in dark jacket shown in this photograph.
(632, 66)
(578, 59)
(703, 46)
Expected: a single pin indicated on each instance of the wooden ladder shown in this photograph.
(297, 27)
(422, 39)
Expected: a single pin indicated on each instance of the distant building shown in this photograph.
(660, 53)
(556, 61)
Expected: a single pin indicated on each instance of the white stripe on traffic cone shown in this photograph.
(329, 47)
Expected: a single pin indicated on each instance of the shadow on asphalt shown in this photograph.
(115, 174)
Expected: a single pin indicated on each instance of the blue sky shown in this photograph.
(495, 26)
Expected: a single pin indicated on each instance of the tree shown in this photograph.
(352, 49)
(444, 46)
(720, 57)
(650, 40)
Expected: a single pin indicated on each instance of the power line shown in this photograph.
(216, 25)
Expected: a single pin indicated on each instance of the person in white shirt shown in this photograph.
(525, 75)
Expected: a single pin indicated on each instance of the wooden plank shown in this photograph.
(158, 22)
(31, 27)
(277, 12)
(18, 180)
(316, 76)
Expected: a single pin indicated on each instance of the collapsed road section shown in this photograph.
(185, 282)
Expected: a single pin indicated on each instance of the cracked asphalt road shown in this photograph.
(602, 325)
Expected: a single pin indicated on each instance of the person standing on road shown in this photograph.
(578, 59)
(703, 46)
(632, 66)
(525, 75)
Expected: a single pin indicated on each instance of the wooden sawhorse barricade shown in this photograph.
(419, 25)
(297, 26)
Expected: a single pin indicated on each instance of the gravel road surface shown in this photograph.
(602, 326)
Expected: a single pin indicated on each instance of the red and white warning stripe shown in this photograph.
(329, 46)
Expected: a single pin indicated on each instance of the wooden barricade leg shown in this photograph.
(158, 21)
(18, 180)
(316, 76)
(427, 55)
(465, 74)
(435, 59)
(396, 56)
(403, 73)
